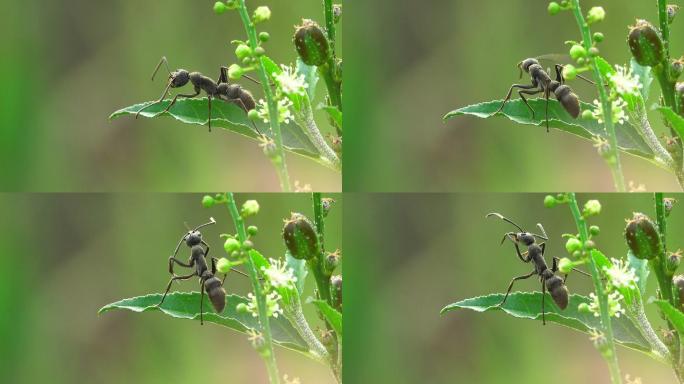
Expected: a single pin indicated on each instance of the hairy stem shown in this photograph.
(298, 321)
(329, 70)
(304, 118)
(316, 263)
(657, 345)
(278, 160)
(614, 157)
(265, 327)
(611, 355)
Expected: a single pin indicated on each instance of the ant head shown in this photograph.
(179, 78)
(525, 64)
(525, 238)
(193, 238)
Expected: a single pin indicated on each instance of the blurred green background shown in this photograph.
(68, 65)
(414, 61)
(416, 253)
(66, 255)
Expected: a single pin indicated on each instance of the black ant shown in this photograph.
(535, 253)
(209, 283)
(222, 90)
(542, 82)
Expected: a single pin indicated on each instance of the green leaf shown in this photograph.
(228, 116)
(527, 305)
(604, 68)
(600, 259)
(675, 316)
(259, 260)
(272, 69)
(628, 138)
(640, 269)
(299, 270)
(334, 113)
(645, 77)
(331, 314)
(185, 305)
(676, 121)
(310, 77)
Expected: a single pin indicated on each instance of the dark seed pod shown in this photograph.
(673, 261)
(646, 44)
(311, 43)
(676, 68)
(678, 281)
(216, 293)
(301, 238)
(642, 237)
(336, 290)
(332, 260)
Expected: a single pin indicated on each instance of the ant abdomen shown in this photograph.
(247, 100)
(216, 293)
(568, 100)
(558, 291)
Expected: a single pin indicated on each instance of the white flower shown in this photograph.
(624, 81)
(289, 82)
(279, 275)
(614, 306)
(617, 109)
(621, 275)
(284, 114)
(272, 305)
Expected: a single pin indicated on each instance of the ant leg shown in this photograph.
(543, 310)
(530, 92)
(166, 63)
(176, 98)
(201, 301)
(168, 287)
(166, 92)
(508, 95)
(546, 112)
(174, 260)
(209, 121)
(510, 286)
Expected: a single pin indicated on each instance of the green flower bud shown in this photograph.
(577, 51)
(241, 308)
(232, 4)
(553, 8)
(223, 265)
(242, 51)
(249, 208)
(231, 245)
(311, 43)
(591, 208)
(594, 230)
(549, 201)
(252, 230)
(672, 10)
(586, 114)
(673, 261)
(598, 37)
(593, 52)
(565, 265)
(264, 36)
(569, 72)
(259, 51)
(646, 44)
(668, 204)
(332, 260)
(235, 72)
(247, 245)
(253, 115)
(577, 254)
(589, 245)
(676, 67)
(583, 308)
(642, 237)
(595, 15)
(208, 201)
(300, 237)
(262, 13)
(326, 204)
(573, 244)
(220, 7)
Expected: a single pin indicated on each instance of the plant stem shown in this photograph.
(265, 327)
(329, 70)
(614, 157)
(304, 118)
(278, 160)
(316, 263)
(330, 23)
(664, 26)
(610, 356)
(648, 332)
(298, 321)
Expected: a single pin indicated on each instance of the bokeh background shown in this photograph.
(416, 253)
(66, 256)
(414, 61)
(69, 64)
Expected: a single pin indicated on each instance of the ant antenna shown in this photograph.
(166, 63)
(500, 216)
(545, 237)
(520, 68)
(211, 221)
